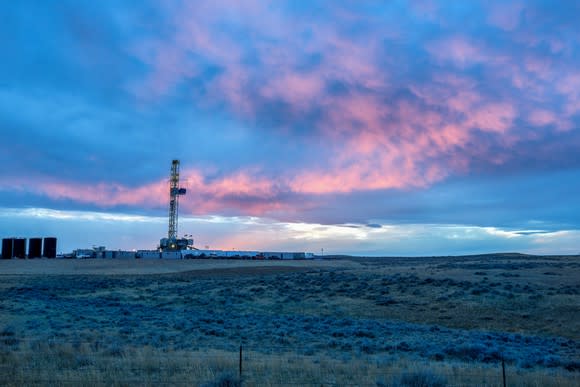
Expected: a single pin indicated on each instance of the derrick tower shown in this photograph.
(172, 242)
(174, 193)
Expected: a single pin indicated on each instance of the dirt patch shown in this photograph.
(145, 267)
(240, 271)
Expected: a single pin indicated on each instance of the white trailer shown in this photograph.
(125, 254)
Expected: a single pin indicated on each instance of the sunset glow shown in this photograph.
(314, 119)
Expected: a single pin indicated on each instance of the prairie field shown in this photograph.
(425, 321)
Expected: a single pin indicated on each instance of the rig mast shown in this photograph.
(174, 192)
(172, 242)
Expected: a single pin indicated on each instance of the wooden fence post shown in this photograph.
(240, 363)
(503, 371)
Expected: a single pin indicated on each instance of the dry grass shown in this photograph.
(338, 322)
(64, 364)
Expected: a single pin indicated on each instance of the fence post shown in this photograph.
(503, 371)
(240, 363)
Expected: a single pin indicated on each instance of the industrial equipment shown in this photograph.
(7, 248)
(172, 242)
(49, 247)
(19, 248)
(34, 247)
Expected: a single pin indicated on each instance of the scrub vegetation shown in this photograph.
(358, 321)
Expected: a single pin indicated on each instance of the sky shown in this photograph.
(337, 127)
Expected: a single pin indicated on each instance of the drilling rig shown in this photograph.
(172, 242)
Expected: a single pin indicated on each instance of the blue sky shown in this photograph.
(397, 128)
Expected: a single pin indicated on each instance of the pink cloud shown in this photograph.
(493, 117)
(540, 67)
(357, 177)
(103, 194)
(569, 86)
(298, 89)
(204, 195)
(541, 117)
(376, 139)
(354, 111)
(427, 9)
(505, 15)
(241, 183)
(459, 50)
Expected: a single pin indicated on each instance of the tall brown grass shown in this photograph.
(67, 364)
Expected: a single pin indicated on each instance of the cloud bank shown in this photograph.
(325, 112)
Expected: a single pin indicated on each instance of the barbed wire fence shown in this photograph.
(58, 362)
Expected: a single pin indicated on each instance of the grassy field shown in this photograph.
(348, 321)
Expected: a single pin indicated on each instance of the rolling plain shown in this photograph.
(339, 321)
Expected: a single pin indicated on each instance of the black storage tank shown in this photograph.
(7, 244)
(49, 250)
(35, 248)
(19, 248)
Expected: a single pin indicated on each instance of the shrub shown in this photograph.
(466, 352)
(7, 331)
(224, 380)
(573, 366)
(422, 379)
(403, 346)
(438, 357)
(385, 301)
(115, 349)
(8, 337)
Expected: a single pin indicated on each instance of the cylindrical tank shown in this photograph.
(7, 248)
(19, 248)
(35, 248)
(49, 250)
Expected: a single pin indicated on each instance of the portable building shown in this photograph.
(99, 251)
(108, 254)
(148, 254)
(272, 255)
(294, 255)
(125, 254)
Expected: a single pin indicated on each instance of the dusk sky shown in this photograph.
(357, 127)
